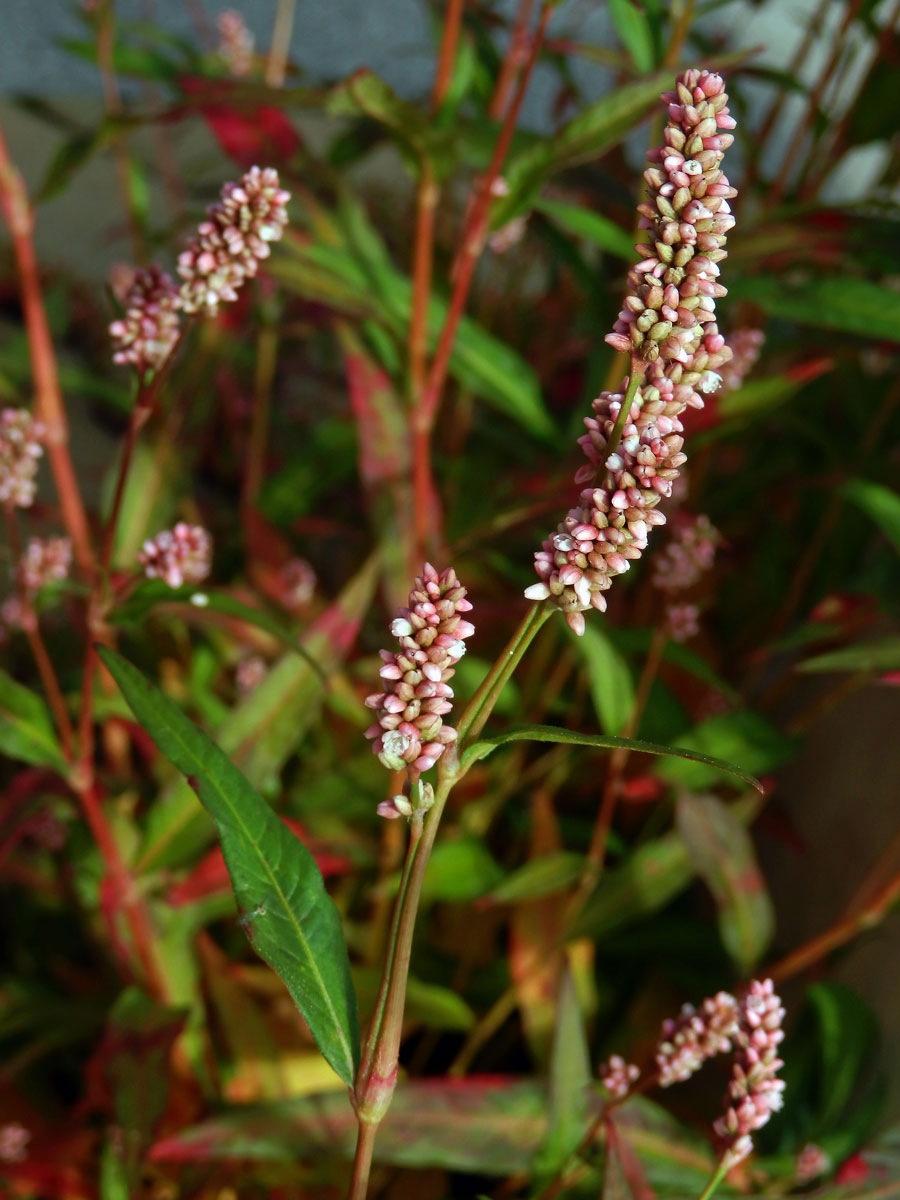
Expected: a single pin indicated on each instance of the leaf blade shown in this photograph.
(304, 927)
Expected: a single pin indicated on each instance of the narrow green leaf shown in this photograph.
(550, 733)
(845, 303)
(634, 32)
(757, 398)
(427, 1004)
(878, 502)
(722, 853)
(590, 225)
(288, 916)
(882, 654)
(612, 688)
(589, 135)
(570, 1081)
(26, 731)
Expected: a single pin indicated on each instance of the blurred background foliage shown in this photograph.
(283, 431)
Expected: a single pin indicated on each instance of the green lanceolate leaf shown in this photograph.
(878, 502)
(586, 136)
(286, 912)
(26, 731)
(550, 733)
(722, 854)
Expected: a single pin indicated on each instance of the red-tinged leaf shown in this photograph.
(854, 1170)
(722, 853)
(211, 874)
(248, 135)
(384, 464)
(629, 1164)
(485, 1124)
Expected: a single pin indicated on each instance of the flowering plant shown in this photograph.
(502, 887)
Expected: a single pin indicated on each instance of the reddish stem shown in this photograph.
(515, 56)
(47, 394)
(463, 271)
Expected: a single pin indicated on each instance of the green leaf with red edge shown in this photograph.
(550, 733)
(487, 1125)
(722, 854)
(880, 503)
(288, 916)
(264, 729)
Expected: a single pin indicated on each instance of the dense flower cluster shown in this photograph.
(20, 450)
(617, 1076)
(409, 729)
(755, 1091)
(178, 556)
(668, 327)
(235, 237)
(694, 1036)
(235, 43)
(46, 560)
(148, 331)
(298, 578)
(811, 1163)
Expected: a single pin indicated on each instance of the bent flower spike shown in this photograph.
(668, 327)
(409, 730)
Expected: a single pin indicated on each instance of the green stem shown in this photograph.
(720, 1173)
(482, 703)
(638, 370)
(362, 1162)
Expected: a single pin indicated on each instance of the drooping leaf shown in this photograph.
(845, 303)
(26, 730)
(288, 916)
(570, 1080)
(878, 502)
(881, 654)
(550, 733)
(722, 854)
